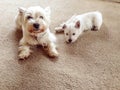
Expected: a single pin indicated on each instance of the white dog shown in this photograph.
(34, 23)
(77, 24)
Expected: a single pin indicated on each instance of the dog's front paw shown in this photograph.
(24, 55)
(59, 30)
(53, 54)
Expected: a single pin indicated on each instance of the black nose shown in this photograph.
(70, 40)
(36, 25)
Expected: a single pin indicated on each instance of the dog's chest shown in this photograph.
(42, 40)
(32, 41)
(35, 40)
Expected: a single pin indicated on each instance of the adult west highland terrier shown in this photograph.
(34, 23)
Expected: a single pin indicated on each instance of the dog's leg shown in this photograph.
(24, 50)
(59, 29)
(52, 50)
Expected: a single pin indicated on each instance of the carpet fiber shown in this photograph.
(91, 63)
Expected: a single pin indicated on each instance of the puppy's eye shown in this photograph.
(29, 17)
(73, 33)
(66, 33)
(41, 17)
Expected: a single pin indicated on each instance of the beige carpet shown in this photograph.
(92, 63)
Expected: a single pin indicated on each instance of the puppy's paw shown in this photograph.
(24, 55)
(59, 30)
(53, 54)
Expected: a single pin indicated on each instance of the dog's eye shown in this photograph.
(41, 17)
(73, 33)
(66, 33)
(29, 17)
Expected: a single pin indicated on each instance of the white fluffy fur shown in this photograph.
(77, 24)
(32, 36)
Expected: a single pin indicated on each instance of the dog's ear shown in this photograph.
(64, 26)
(47, 10)
(77, 24)
(21, 10)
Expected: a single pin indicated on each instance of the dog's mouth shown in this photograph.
(68, 42)
(37, 30)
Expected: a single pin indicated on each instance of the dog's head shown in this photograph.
(71, 31)
(35, 19)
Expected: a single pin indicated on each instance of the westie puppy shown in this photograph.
(77, 24)
(34, 23)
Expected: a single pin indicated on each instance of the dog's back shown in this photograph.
(89, 19)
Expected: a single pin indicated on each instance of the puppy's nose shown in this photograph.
(36, 25)
(70, 40)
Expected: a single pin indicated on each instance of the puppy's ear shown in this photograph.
(47, 10)
(64, 26)
(77, 24)
(21, 10)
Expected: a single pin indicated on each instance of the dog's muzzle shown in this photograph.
(69, 41)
